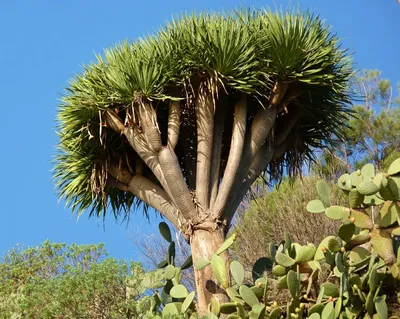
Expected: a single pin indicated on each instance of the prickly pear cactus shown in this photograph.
(248, 299)
(174, 299)
(362, 261)
(373, 214)
(363, 257)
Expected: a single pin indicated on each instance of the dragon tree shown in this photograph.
(184, 121)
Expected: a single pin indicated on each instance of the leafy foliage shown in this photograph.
(371, 135)
(242, 52)
(60, 281)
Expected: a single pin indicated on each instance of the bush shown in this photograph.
(69, 282)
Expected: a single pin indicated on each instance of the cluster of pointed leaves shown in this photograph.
(245, 51)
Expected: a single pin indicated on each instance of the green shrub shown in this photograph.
(70, 282)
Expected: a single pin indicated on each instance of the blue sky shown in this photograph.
(43, 43)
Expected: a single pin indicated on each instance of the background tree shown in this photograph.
(184, 121)
(59, 281)
(372, 134)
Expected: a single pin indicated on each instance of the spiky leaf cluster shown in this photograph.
(241, 52)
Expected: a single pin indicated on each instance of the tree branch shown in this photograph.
(120, 173)
(235, 153)
(139, 143)
(148, 118)
(260, 128)
(259, 164)
(156, 197)
(205, 105)
(117, 184)
(176, 183)
(114, 122)
(174, 123)
(147, 191)
(278, 92)
(216, 152)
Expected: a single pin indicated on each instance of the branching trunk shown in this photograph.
(235, 154)
(139, 143)
(174, 123)
(205, 106)
(176, 183)
(260, 128)
(278, 93)
(204, 244)
(260, 162)
(114, 122)
(251, 149)
(144, 189)
(155, 197)
(216, 152)
(151, 132)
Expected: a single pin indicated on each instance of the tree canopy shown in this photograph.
(259, 57)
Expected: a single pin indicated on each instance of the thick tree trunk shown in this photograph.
(204, 244)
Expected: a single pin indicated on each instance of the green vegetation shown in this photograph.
(351, 274)
(186, 120)
(281, 210)
(361, 262)
(60, 281)
(371, 135)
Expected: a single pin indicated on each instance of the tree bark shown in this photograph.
(235, 154)
(219, 122)
(174, 123)
(176, 183)
(204, 244)
(260, 128)
(205, 109)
